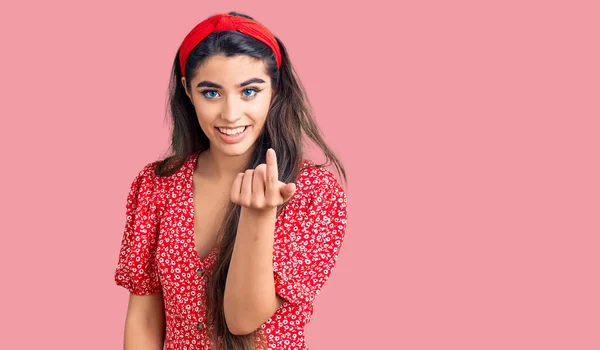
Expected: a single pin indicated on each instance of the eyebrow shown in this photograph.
(206, 83)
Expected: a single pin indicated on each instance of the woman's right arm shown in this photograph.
(145, 322)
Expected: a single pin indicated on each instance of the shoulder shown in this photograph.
(145, 177)
(150, 173)
(317, 180)
(318, 192)
(141, 190)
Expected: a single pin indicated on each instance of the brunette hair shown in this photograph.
(288, 120)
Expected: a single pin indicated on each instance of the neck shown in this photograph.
(220, 166)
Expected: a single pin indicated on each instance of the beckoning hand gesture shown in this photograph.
(260, 189)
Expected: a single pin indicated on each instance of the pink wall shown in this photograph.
(470, 132)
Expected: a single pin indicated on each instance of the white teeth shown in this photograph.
(232, 131)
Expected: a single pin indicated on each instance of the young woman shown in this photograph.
(229, 240)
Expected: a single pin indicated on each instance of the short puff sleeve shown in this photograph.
(137, 269)
(309, 237)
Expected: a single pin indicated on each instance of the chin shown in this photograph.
(233, 150)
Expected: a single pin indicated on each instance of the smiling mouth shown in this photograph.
(232, 131)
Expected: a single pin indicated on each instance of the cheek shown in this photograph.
(260, 110)
(205, 112)
(205, 118)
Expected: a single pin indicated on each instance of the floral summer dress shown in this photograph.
(158, 253)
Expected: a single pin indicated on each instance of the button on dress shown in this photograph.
(158, 253)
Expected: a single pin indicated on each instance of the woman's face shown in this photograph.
(231, 96)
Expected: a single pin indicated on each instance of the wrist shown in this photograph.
(258, 214)
(256, 224)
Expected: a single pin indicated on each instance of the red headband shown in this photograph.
(226, 22)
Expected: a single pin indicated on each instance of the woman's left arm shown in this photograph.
(250, 297)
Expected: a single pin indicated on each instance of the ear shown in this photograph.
(184, 83)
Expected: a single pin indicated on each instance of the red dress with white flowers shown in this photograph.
(158, 253)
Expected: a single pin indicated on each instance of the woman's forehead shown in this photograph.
(231, 70)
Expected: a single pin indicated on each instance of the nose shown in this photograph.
(231, 109)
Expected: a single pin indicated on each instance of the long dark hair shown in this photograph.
(289, 118)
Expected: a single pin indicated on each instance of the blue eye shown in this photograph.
(209, 94)
(252, 93)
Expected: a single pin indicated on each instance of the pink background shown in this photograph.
(470, 130)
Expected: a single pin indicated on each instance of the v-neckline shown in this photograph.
(190, 179)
